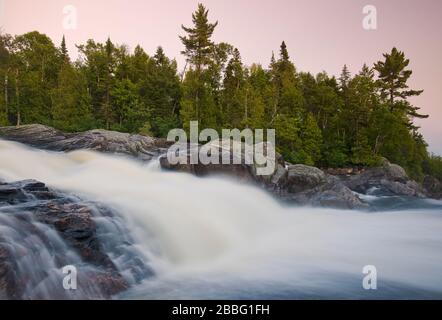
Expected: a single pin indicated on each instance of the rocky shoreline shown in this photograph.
(43, 230)
(43, 137)
(48, 229)
(300, 184)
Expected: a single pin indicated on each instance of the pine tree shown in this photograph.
(198, 44)
(107, 108)
(284, 54)
(199, 86)
(234, 102)
(362, 100)
(311, 137)
(344, 78)
(260, 97)
(162, 87)
(288, 99)
(71, 109)
(64, 50)
(130, 113)
(393, 77)
(288, 142)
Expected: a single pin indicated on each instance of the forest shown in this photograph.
(321, 120)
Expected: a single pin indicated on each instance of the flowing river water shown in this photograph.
(208, 238)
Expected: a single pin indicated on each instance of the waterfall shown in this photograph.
(217, 238)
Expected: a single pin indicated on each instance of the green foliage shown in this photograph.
(70, 102)
(433, 166)
(198, 44)
(161, 93)
(393, 77)
(311, 137)
(319, 120)
(130, 113)
(288, 142)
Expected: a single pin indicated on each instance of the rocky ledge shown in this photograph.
(300, 184)
(44, 137)
(43, 230)
(297, 183)
(306, 185)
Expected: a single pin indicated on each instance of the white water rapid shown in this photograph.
(215, 238)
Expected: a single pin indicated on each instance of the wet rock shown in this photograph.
(44, 137)
(390, 178)
(336, 195)
(43, 230)
(300, 184)
(330, 192)
(241, 170)
(433, 187)
(301, 177)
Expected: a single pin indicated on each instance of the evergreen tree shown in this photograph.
(311, 137)
(71, 104)
(260, 95)
(198, 99)
(344, 80)
(288, 96)
(106, 107)
(288, 142)
(162, 87)
(319, 120)
(130, 113)
(284, 53)
(64, 50)
(196, 96)
(234, 105)
(393, 77)
(345, 77)
(362, 101)
(198, 44)
(5, 58)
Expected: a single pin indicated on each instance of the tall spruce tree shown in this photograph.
(64, 50)
(198, 96)
(198, 43)
(393, 77)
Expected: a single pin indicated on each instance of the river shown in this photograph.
(214, 238)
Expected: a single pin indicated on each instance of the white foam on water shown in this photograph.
(195, 228)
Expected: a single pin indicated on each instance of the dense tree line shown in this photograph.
(319, 119)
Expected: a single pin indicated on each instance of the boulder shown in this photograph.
(44, 137)
(389, 178)
(300, 184)
(236, 167)
(301, 177)
(433, 187)
(328, 192)
(43, 230)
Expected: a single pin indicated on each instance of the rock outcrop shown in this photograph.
(433, 187)
(300, 184)
(44, 137)
(389, 179)
(295, 183)
(306, 185)
(43, 231)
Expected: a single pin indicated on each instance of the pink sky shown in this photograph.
(320, 34)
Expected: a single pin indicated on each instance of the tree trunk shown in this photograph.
(6, 95)
(246, 111)
(17, 95)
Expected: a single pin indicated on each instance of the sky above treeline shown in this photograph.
(320, 34)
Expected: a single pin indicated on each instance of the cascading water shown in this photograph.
(215, 238)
